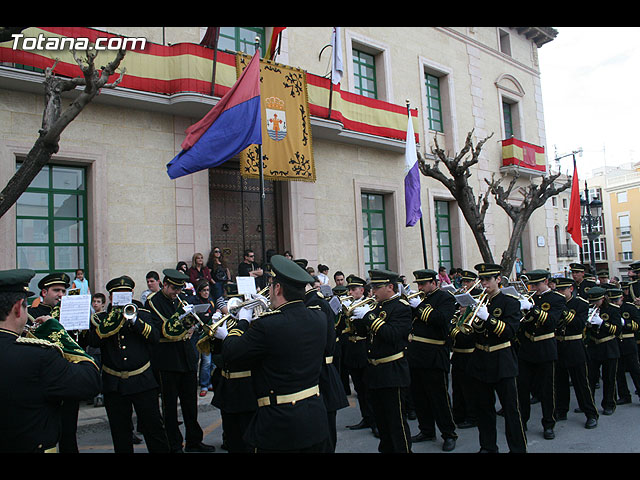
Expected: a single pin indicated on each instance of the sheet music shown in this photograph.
(246, 285)
(465, 300)
(121, 298)
(75, 312)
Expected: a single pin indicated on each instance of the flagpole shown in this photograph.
(262, 196)
(424, 244)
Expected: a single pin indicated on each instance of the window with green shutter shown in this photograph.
(374, 231)
(364, 74)
(241, 39)
(434, 103)
(443, 232)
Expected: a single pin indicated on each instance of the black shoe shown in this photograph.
(623, 401)
(449, 444)
(359, 426)
(591, 423)
(136, 439)
(466, 424)
(421, 437)
(607, 411)
(548, 434)
(200, 448)
(560, 417)
(484, 450)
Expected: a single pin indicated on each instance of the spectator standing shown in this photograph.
(198, 270)
(219, 272)
(443, 278)
(81, 283)
(153, 285)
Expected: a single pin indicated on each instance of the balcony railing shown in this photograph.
(566, 250)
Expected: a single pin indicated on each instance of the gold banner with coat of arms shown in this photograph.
(287, 153)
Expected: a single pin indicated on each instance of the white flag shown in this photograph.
(337, 68)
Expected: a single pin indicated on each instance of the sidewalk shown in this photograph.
(95, 418)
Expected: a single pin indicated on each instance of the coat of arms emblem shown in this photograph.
(276, 118)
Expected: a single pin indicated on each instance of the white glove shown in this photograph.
(595, 320)
(483, 312)
(216, 316)
(622, 321)
(187, 310)
(246, 313)
(347, 303)
(525, 304)
(414, 302)
(255, 296)
(221, 332)
(360, 312)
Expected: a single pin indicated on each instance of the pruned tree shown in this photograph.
(55, 120)
(474, 208)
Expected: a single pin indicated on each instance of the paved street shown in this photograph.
(618, 433)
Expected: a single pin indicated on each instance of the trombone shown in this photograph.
(467, 288)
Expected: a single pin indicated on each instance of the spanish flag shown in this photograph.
(273, 44)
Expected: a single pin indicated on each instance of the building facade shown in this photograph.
(106, 203)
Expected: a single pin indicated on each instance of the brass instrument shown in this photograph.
(348, 311)
(467, 325)
(259, 305)
(467, 288)
(593, 311)
(196, 317)
(130, 312)
(416, 294)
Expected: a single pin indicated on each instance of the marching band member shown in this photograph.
(494, 363)
(603, 325)
(125, 344)
(37, 373)
(285, 348)
(176, 362)
(634, 283)
(428, 357)
(628, 361)
(538, 350)
(583, 284)
(572, 356)
(387, 328)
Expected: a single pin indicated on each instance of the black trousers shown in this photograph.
(462, 406)
(69, 426)
(485, 400)
(538, 379)
(358, 376)
(628, 363)
(395, 436)
(234, 425)
(584, 395)
(119, 409)
(609, 367)
(181, 386)
(430, 393)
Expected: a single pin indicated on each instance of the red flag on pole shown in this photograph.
(574, 227)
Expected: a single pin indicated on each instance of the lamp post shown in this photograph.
(591, 211)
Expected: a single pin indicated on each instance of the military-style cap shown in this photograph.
(58, 278)
(175, 277)
(536, 276)
(589, 275)
(425, 275)
(379, 277)
(124, 283)
(624, 284)
(468, 275)
(488, 269)
(289, 271)
(563, 282)
(339, 290)
(596, 293)
(303, 262)
(635, 266)
(577, 267)
(231, 290)
(354, 281)
(603, 273)
(614, 293)
(16, 280)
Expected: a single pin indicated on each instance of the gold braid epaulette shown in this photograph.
(38, 342)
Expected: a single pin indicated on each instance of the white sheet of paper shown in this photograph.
(335, 304)
(465, 300)
(75, 312)
(448, 288)
(246, 285)
(510, 291)
(121, 298)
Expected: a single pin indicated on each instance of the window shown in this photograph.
(51, 227)
(622, 197)
(554, 201)
(443, 232)
(599, 248)
(565, 204)
(374, 231)
(625, 225)
(241, 39)
(364, 74)
(627, 253)
(505, 42)
(434, 102)
(508, 119)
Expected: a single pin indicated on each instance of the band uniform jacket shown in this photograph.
(601, 339)
(169, 354)
(331, 385)
(583, 288)
(35, 379)
(387, 328)
(125, 351)
(570, 333)
(631, 316)
(285, 348)
(537, 330)
(355, 346)
(428, 343)
(494, 357)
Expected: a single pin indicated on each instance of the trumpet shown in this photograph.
(467, 288)
(467, 325)
(130, 312)
(419, 294)
(259, 304)
(348, 311)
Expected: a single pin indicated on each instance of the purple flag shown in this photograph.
(412, 179)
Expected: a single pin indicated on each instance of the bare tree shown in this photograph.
(474, 208)
(54, 120)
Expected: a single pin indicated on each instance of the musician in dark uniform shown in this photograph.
(538, 351)
(52, 288)
(37, 376)
(175, 360)
(628, 361)
(603, 327)
(493, 367)
(355, 356)
(387, 327)
(428, 357)
(462, 346)
(128, 382)
(583, 284)
(339, 292)
(331, 387)
(285, 348)
(634, 283)
(572, 356)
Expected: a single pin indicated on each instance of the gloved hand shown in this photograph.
(622, 321)
(187, 311)
(595, 320)
(216, 316)
(414, 302)
(525, 304)
(246, 313)
(483, 312)
(360, 312)
(221, 332)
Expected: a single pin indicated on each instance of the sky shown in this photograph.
(591, 96)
